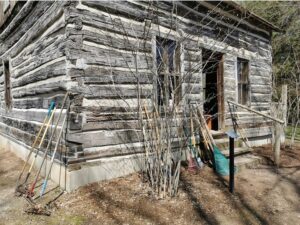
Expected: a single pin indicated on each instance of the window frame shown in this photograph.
(243, 90)
(166, 74)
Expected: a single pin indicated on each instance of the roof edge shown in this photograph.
(253, 15)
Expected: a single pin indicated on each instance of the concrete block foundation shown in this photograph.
(74, 176)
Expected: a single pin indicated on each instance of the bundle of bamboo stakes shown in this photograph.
(166, 139)
(162, 162)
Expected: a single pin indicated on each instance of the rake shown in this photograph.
(30, 192)
(51, 111)
(52, 159)
(51, 107)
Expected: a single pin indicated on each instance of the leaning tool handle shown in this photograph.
(43, 137)
(52, 159)
(51, 107)
(48, 146)
(193, 140)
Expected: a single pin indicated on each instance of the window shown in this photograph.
(7, 85)
(168, 70)
(5, 5)
(243, 81)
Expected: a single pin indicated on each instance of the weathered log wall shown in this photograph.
(113, 48)
(104, 52)
(33, 42)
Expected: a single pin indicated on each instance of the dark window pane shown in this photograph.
(166, 59)
(243, 81)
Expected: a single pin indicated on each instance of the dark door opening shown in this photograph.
(213, 88)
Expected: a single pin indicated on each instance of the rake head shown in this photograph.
(38, 210)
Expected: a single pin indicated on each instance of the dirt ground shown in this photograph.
(263, 195)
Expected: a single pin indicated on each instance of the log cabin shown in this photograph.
(112, 56)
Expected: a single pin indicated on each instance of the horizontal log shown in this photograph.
(111, 137)
(257, 132)
(40, 62)
(251, 125)
(100, 75)
(257, 112)
(116, 54)
(109, 59)
(114, 150)
(27, 23)
(129, 103)
(116, 79)
(102, 138)
(124, 149)
(261, 97)
(116, 91)
(261, 89)
(53, 70)
(261, 65)
(41, 48)
(111, 125)
(41, 27)
(100, 116)
(24, 137)
(120, 8)
(39, 101)
(260, 80)
(45, 87)
(28, 126)
(248, 120)
(100, 19)
(114, 40)
(32, 114)
(120, 122)
(25, 10)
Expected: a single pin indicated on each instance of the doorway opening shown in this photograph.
(212, 63)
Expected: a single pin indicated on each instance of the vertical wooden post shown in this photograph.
(279, 128)
(284, 110)
(277, 144)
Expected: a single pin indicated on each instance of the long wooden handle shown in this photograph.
(43, 137)
(51, 107)
(193, 141)
(32, 147)
(48, 146)
(53, 156)
(205, 126)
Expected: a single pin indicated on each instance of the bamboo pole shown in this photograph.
(53, 156)
(30, 192)
(205, 138)
(205, 126)
(193, 140)
(39, 147)
(257, 112)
